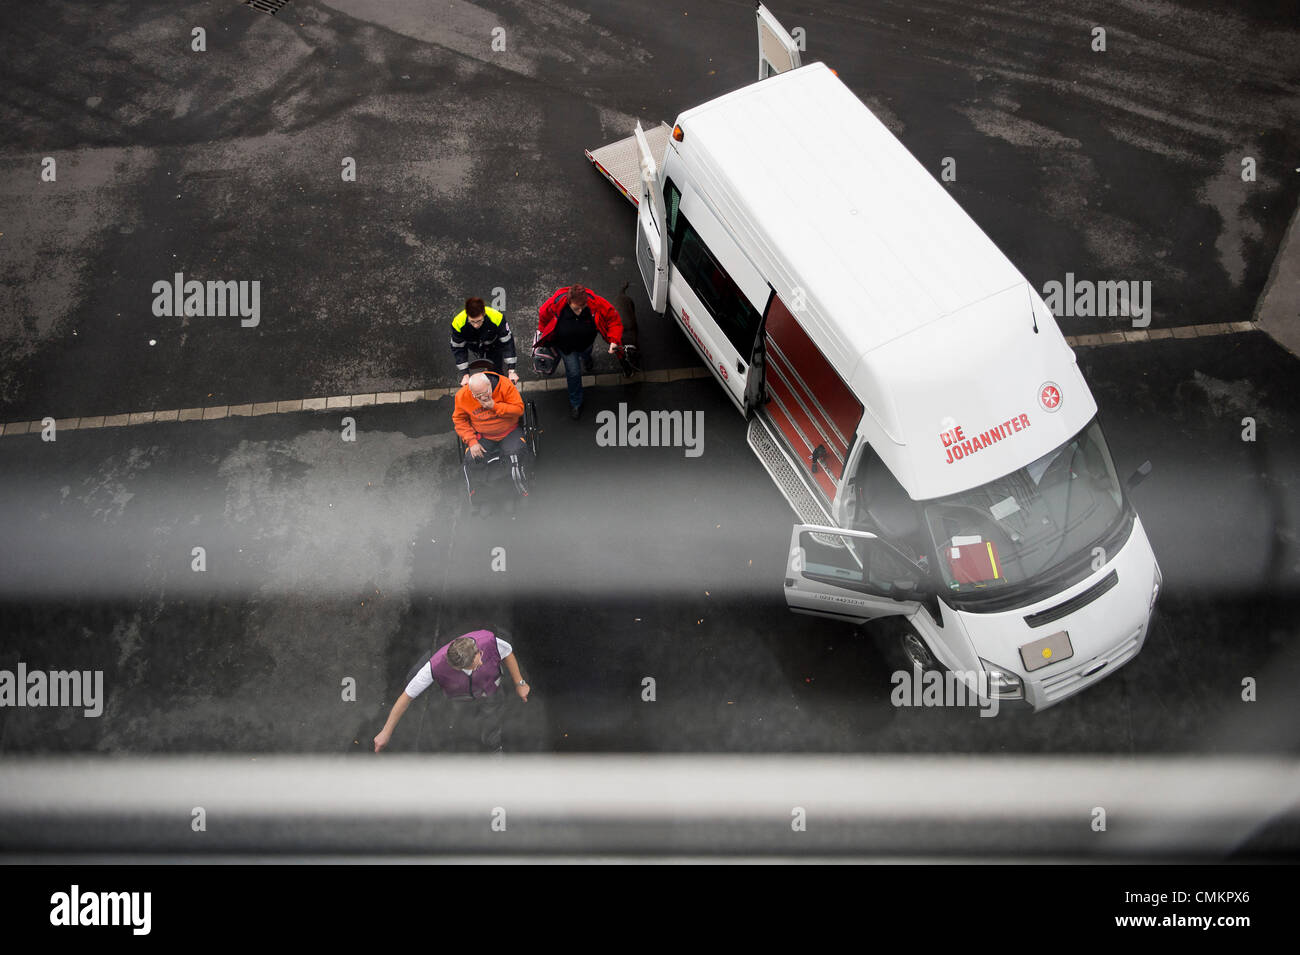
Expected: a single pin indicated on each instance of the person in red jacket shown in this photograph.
(568, 322)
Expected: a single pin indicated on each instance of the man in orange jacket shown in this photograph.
(487, 412)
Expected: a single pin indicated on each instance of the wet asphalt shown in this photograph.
(227, 164)
(332, 565)
(329, 561)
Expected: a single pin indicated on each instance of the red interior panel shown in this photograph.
(811, 404)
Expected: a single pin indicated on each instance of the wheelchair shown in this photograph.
(485, 481)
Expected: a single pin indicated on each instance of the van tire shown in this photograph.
(903, 648)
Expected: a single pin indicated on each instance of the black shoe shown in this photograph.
(575, 412)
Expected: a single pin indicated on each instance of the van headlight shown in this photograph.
(1156, 581)
(1003, 684)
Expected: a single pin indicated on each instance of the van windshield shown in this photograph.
(1027, 524)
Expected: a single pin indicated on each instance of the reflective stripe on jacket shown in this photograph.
(493, 334)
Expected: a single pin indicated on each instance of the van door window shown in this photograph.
(731, 310)
(871, 566)
(672, 200)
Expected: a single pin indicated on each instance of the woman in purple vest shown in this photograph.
(469, 671)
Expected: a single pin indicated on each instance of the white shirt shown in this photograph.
(424, 678)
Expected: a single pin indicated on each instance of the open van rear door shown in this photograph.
(651, 232)
(777, 50)
(849, 575)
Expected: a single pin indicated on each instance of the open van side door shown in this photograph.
(848, 575)
(651, 228)
(777, 50)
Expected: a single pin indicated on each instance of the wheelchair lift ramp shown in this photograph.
(619, 163)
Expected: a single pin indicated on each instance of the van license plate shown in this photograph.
(1050, 649)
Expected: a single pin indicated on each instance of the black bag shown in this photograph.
(545, 358)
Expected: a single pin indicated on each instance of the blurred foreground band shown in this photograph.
(535, 806)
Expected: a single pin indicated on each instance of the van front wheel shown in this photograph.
(903, 648)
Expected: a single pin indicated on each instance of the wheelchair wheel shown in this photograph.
(519, 472)
(458, 448)
(531, 428)
(469, 489)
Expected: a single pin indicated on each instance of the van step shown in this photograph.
(783, 471)
(620, 164)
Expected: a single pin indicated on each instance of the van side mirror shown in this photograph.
(1140, 475)
(904, 590)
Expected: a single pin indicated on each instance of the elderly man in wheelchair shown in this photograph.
(498, 433)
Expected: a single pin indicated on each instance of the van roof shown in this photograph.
(844, 195)
(848, 218)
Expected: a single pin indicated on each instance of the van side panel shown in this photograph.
(809, 402)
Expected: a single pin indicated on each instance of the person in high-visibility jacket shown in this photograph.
(481, 329)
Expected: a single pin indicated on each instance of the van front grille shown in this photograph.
(1064, 684)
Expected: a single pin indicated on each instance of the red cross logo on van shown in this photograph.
(1049, 396)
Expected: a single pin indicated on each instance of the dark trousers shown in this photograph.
(575, 364)
(513, 443)
(482, 718)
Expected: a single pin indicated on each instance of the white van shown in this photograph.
(906, 388)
